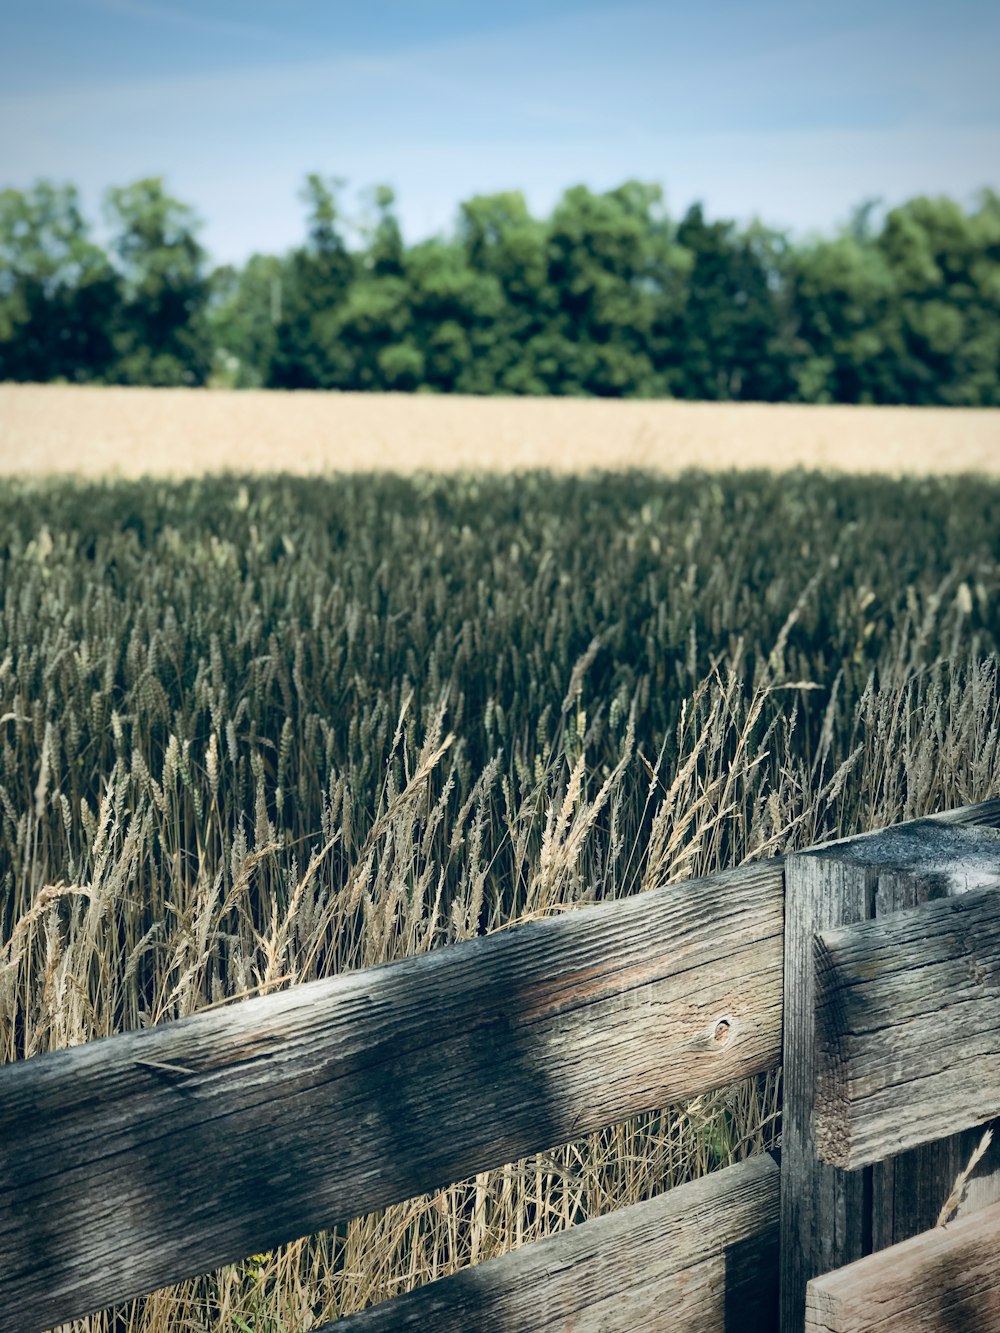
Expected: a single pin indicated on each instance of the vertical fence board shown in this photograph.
(823, 1209)
(831, 1217)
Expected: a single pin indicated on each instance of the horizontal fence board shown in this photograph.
(702, 1258)
(139, 1160)
(908, 1028)
(947, 854)
(983, 813)
(946, 1280)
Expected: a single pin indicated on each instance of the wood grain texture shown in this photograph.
(831, 1217)
(822, 1209)
(139, 1160)
(908, 1029)
(702, 1258)
(907, 1189)
(984, 813)
(946, 1280)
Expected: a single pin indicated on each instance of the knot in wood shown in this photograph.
(723, 1031)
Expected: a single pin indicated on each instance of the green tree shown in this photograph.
(371, 324)
(606, 296)
(456, 313)
(316, 280)
(616, 273)
(162, 335)
(244, 312)
(371, 328)
(385, 252)
(505, 245)
(945, 267)
(843, 296)
(730, 339)
(58, 292)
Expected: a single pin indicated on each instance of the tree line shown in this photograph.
(607, 296)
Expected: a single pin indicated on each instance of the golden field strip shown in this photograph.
(91, 431)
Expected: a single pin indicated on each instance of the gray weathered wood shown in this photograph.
(702, 1258)
(822, 1210)
(909, 1189)
(984, 813)
(946, 1280)
(908, 1029)
(831, 1217)
(136, 1161)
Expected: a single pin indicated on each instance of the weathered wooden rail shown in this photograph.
(143, 1159)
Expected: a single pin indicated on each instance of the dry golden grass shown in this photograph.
(180, 432)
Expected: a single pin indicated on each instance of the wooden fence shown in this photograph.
(869, 967)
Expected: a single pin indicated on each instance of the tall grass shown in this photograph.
(258, 731)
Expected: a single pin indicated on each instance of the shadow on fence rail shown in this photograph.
(143, 1159)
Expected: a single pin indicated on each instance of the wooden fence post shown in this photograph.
(831, 1217)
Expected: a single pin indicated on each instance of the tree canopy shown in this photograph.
(607, 296)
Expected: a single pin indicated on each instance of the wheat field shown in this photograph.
(46, 429)
(260, 729)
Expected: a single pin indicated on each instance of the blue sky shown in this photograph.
(791, 111)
